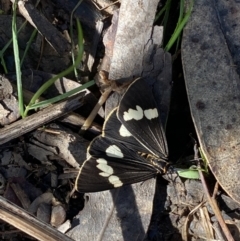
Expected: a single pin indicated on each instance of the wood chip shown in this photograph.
(58, 216)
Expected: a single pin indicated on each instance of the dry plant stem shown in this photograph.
(215, 209)
(95, 110)
(218, 231)
(42, 117)
(38, 21)
(78, 120)
(41, 53)
(100, 9)
(20, 219)
(212, 200)
(215, 191)
(185, 225)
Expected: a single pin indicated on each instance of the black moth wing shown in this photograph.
(114, 129)
(111, 165)
(138, 112)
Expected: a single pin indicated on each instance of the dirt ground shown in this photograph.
(41, 154)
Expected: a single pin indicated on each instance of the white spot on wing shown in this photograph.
(123, 131)
(103, 166)
(115, 181)
(114, 151)
(101, 161)
(107, 171)
(133, 114)
(151, 113)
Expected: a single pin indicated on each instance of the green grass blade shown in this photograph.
(205, 163)
(179, 28)
(46, 85)
(2, 51)
(28, 45)
(17, 60)
(72, 42)
(63, 96)
(160, 13)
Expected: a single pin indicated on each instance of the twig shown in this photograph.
(101, 101)
(212, 202)
(42, 117)
(109, 5)
(218, 231)
(215, 191)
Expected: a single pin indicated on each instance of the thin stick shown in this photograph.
(42, 117)
(213, 203)
(95, 110)
(109, 5)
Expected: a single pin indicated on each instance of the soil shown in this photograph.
(174, 200)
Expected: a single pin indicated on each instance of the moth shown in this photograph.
(132, 147)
